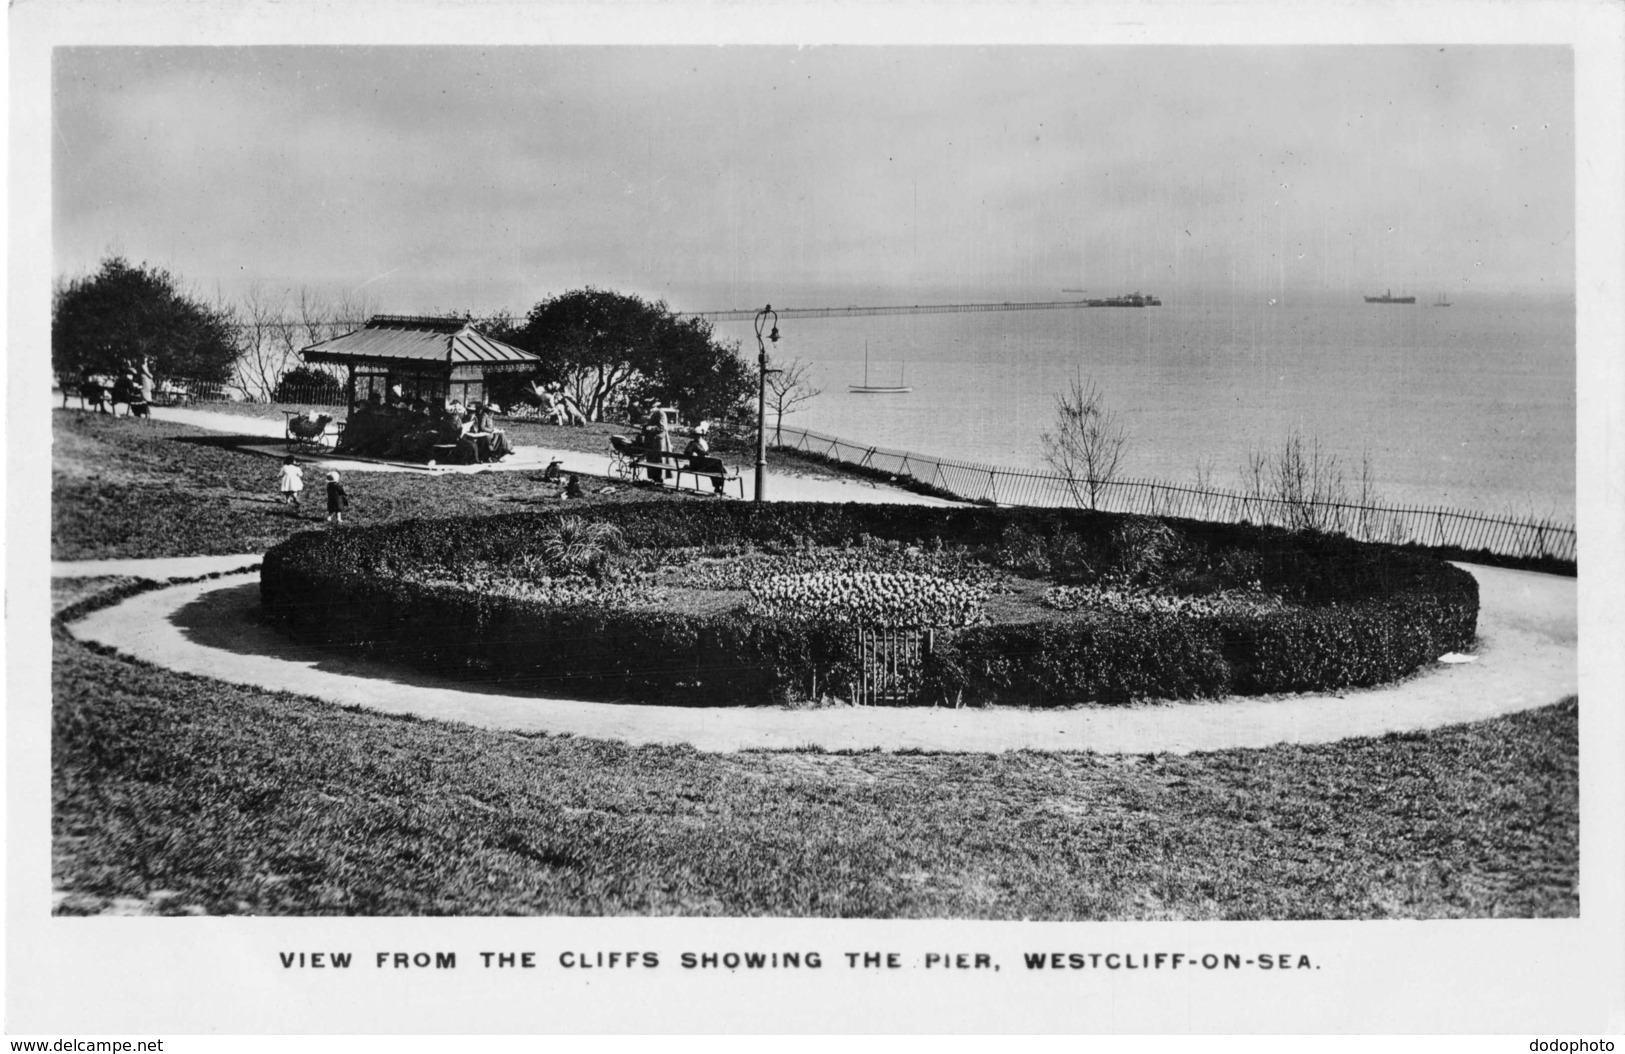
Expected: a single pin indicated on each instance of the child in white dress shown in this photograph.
(293, 482)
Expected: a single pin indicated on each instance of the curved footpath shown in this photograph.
(1527, 657)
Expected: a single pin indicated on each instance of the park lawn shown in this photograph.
(127, 488)
(590, 438)
(180, 794)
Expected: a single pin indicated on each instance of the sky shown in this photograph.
(487, 178)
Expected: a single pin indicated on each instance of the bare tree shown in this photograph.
(1203, 484)
(1375, 523)
(1299, 486)
(1087, 444)
(263, 353)
(1309, 484)
(788, 386)
(313, 318)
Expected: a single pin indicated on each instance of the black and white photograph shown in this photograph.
(606, 524)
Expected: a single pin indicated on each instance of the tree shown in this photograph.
(124, 317)
(688, 368)
(1086, 446)
(605, 347)
(788, 386)
(263, 354)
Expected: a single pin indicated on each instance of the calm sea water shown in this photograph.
(1470, 406)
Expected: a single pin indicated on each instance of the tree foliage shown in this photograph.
(605, 346)
(125, 314)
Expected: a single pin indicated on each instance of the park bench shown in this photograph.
(630, 462)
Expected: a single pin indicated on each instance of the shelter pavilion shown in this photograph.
(431, 358)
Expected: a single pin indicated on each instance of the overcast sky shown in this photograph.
(486, 178)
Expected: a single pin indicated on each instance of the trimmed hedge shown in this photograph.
(1356, 614)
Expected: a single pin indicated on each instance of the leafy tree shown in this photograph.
(123, 316)
(1086, 445)
(691, 370)
(605, 347)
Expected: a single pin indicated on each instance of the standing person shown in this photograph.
(337, 500)
(656, 443)
(293, 482)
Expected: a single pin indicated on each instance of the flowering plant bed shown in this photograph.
(733, 604)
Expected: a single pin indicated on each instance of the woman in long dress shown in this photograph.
(656, 444)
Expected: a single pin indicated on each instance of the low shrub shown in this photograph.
(1152, 609)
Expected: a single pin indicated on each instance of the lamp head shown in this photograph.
(774, 336)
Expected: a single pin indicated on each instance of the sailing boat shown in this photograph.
(878, 389)
(1441, 302)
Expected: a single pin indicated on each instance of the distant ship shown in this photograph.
(878, 389)
(1388, 297)
(1441, 302)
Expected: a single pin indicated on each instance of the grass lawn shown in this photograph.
(125, 488)
(181, 794)
(591, 438)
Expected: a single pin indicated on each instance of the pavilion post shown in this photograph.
(349, 386)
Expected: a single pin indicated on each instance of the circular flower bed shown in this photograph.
(868, 598)
(729, 604)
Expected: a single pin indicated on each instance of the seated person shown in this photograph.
(699, 456)
(492, 440)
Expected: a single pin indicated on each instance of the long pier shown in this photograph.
(852, 311)
(737, 315)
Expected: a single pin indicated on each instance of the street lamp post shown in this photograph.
(762, 317)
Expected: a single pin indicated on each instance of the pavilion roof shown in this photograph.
(423, 341)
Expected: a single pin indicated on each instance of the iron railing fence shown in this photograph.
(309, 393)
(1531, 538)
(889, 663)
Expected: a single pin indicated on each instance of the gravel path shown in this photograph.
(1527, 657)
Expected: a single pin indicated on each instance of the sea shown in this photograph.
(1469, 406)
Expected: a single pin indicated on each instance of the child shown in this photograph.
(337, 500)
(293, 481)
(573, 488)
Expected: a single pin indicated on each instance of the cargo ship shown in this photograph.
(1388, 297)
